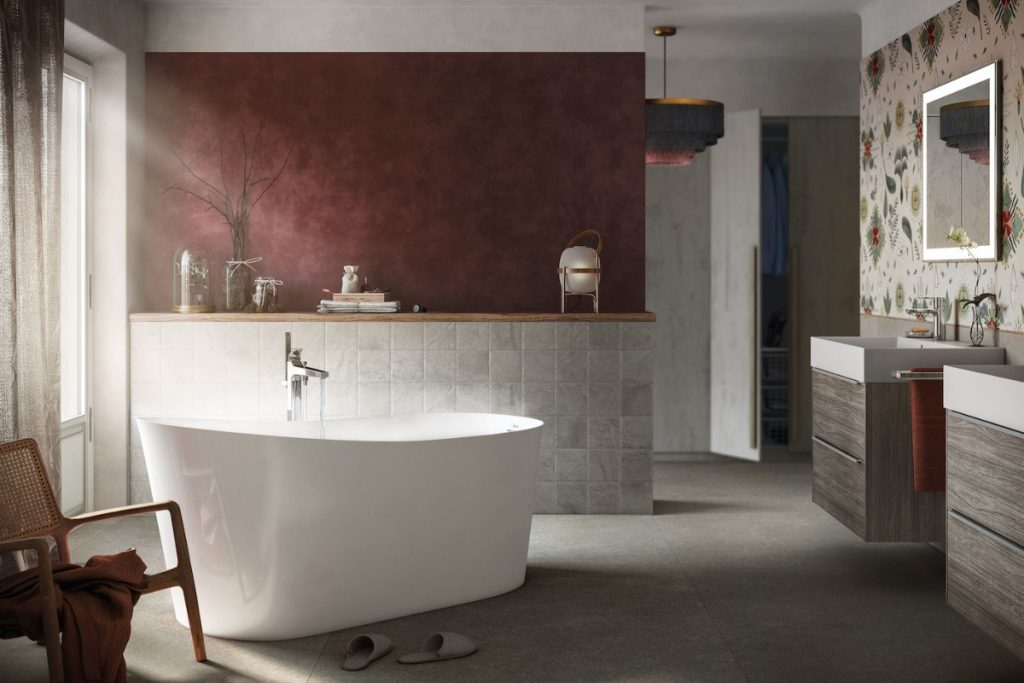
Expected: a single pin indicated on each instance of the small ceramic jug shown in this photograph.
(350, 281)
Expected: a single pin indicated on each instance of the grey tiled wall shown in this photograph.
(589, 382)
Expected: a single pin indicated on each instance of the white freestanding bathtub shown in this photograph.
(292, 534)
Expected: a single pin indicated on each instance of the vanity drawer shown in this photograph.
(983, 581)
(838, 485)
(985, 474)
(839, 410)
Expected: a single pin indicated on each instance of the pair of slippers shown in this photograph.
(367, 648)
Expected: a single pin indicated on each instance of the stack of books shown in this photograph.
(365, 302)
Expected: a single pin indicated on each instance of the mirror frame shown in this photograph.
(990, 251)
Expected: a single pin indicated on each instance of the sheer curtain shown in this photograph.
(31, 75)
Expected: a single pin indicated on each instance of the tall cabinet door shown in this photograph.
(735, 275)
(824, 241)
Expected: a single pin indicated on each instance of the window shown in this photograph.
(75, 329)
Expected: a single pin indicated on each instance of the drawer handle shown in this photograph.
(985, 531)
(841, 453)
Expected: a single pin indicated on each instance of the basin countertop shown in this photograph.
(873, 359)
(993, 393)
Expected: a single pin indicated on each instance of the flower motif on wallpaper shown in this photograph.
(963, 295)
(1011, 223)
(901, 296)
(887, 302)
(874, 70)
(930, 39)
(918, 132)
(863, 209)
(915, 199)
(875, 236)
(900, 169)
(1005, 11)
(867, 304)
(901, 115)
(867, 141)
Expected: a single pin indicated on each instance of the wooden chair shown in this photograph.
(51, 627)
(29, 513)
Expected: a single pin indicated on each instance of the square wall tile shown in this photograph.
(472, 398)
(603, 499)
(146, 336)
(549, 432)
(506, 399)
(571, 432)
(544, 500)
(506, 366)
(539, 336)
(571, 399)
(211, 401)
(604, 400)
(636, 400)
(374, 366)
(145, 400)
(342, 399)
(604, 336)
(374, 398)
(374, 336)
(572, 366)
(406, 366)
(439, 336)
(310, 337)
(570, 465)
(506, 336)
(178, 336)
(473, 366)
(539, 366)
(570, 497)
(546, 465)
(211, 366)
(636, 465)
(572, 336)
(242, 401)
(637, 498)
(637, 336)
(406, 397)
(146, 364)
(178, 400)
(406, 336)
(603, 465)
(472, 336)
(211, 337)
(274, 403)
(178, 366)
(439, 366)
(342, 364)
(339, 334)
(603, 366)
(637, 366)
(603, 432)
(539, 399)
(242, 366)
(242, 336)
(439, 398)
(637, 432)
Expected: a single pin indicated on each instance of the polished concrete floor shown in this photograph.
(737, 577)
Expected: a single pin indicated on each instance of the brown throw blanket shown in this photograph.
(94, 606)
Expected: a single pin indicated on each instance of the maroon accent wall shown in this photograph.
(454, 178)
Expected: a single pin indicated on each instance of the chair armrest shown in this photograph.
(38, 544)
(79, 520)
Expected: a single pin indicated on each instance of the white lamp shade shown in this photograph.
(580, 257)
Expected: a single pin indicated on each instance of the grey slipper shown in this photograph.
(365, 649)
(440, 646)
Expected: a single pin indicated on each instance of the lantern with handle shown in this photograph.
(579, 269)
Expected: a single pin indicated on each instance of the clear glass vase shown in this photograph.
(236, 286)
(977, 328)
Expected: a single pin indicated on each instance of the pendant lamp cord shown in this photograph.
(664, 66)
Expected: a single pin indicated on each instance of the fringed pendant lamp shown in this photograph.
(678, 128)
(964, 127)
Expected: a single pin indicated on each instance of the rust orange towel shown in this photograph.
(928, 422)
(94, 604)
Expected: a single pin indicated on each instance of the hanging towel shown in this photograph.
(928, 437)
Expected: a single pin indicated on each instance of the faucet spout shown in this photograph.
(296, 376)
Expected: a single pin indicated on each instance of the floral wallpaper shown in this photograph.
(964, 37)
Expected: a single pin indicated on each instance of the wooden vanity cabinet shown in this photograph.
(985, 543)
(863, 473)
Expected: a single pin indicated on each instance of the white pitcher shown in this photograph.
(350, 281)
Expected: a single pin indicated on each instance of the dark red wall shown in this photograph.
(454, 178)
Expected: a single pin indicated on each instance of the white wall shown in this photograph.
(395, 28)
(883, 20)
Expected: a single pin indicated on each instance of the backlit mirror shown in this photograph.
(961, 165)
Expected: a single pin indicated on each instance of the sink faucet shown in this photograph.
(939, 329)
(296, 377)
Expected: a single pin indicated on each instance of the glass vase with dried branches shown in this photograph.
(236, 207)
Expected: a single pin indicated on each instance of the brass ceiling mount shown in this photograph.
(664, 31)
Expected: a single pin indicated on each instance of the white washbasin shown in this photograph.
(993, 393)
(873, 359)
